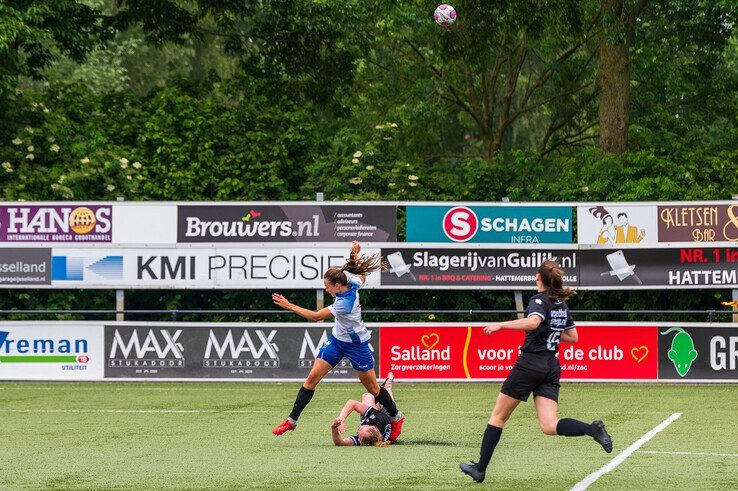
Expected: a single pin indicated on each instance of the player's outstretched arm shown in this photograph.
(570, 336)
(350, 406)
(311, 315)
(336, 435)
(525, 324)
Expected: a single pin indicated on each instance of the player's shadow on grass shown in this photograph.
(430, 443)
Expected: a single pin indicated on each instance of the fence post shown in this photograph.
(174, 315)
(735, 292)
(319, 294)
(120, 296)
(518, 294)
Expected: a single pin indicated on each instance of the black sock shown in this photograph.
(573, 427)
(302, 400)
(385, 399)
(489, 442)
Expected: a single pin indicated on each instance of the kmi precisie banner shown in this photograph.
(187, 267)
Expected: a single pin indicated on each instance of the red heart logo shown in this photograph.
(639, 353)
(255, 214)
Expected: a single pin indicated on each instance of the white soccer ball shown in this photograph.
(445, 15)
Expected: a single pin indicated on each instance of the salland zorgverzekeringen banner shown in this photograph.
(254, 222)
(490, 223)
(218, 351)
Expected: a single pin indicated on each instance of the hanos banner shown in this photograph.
(45, 350)
(216, 351)
(676, 267)
(698, 353)
(457, 267)
(492, 223)
(254, 222)
(56, 223)
(464, 352)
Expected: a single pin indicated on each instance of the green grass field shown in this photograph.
(164, 435)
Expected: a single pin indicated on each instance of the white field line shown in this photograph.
(619, 458)
(706, 454)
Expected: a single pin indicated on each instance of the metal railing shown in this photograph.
(175, 314)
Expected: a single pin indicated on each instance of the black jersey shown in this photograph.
(377, 418)
(555, 319)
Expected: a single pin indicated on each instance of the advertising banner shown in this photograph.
(21, 267)
(705, 353)
(55, 223)
(191, 267)
(215, 351)
(698, 223)
(668, 267)
(457, 352)
(51, 351)
(466, 267)
(502, 223)
(253, 222)
(611, 223)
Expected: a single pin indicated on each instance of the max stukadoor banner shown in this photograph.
(467, 266)
(218, 351)
(464, 352)
(255, 222)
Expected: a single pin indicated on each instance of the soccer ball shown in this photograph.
(445, 15)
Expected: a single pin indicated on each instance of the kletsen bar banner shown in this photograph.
(490, 223)
(217, 351)
(413, 267)
(676, 267)
(254, 222)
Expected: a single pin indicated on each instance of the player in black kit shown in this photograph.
(547, 321)
(375, 424)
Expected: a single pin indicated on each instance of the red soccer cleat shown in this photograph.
(396, 429)
(282, 428)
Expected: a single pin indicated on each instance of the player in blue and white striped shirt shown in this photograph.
(349, 338)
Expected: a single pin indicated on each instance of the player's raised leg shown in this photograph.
(547, 411)
(369, 380)
(304, 395)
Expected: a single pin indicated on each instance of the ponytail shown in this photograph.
(355, 265)
(552, 278)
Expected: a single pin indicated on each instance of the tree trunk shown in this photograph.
(613, 81)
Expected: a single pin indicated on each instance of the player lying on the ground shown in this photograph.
(547, 321)
(375, 424)
(349, 338)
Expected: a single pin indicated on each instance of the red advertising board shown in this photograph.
(465, 352)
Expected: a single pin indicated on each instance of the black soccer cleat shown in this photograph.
(601, 436)
(471, 470)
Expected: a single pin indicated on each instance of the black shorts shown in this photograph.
(534, 372)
